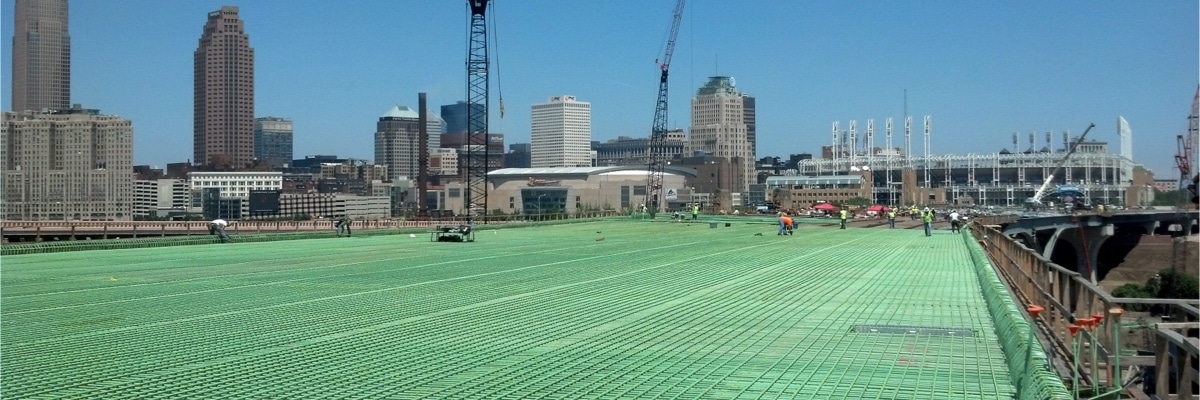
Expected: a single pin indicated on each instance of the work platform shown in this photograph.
(612, 309)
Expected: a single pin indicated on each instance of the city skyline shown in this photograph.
(984, 72)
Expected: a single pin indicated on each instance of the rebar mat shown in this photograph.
(599, 310)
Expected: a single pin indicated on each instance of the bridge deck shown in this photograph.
(614, 309)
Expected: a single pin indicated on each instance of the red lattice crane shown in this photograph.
(1186, 149)
(658, 134)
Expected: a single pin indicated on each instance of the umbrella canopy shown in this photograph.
(825, 207)
(879, 208)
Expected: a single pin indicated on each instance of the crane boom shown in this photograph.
(478, 153)
(1037, 197)
(658, 133)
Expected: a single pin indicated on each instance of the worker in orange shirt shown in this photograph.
(785, 224)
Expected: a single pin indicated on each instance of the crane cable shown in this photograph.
(496, 55)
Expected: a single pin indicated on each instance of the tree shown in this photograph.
(1168, 284)
(1168, 198)
(858, 201)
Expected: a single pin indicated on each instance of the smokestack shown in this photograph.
(423, 155)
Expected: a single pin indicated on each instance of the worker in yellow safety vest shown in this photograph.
(927, 219)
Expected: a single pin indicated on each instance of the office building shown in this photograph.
(458, 142)
(397, 142)
(273, 141)
(41, 56)
(561, 133)
(156, 198)
(455, 116)
(719, 128)
(236, 184)
(73, 164)
(434, 127)
(750, 119)
(518, 156)
(223, 93)
(625, 150)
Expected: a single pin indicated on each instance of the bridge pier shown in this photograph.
(1086, 249)
(1150, 227)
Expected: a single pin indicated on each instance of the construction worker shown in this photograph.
(912, 213)
(217, 227)
(891, 216)
(927, 219)
(785, 224)
(342, 223)
(842, 215)
(695, 211)
(954, 223)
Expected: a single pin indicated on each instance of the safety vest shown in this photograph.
(891, 215)
(843, 214)
(927, 216)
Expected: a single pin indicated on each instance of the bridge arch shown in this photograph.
(1064, 253)
(1115, 250)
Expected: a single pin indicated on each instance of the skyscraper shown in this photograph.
(41, 56)
(455, 116)
(561, 133)
(719, 127)
(434, 127)
(397, 142)
(223, 97)
(273, 140)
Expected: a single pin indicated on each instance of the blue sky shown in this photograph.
(982, 70)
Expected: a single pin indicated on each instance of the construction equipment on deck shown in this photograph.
(1035, 202)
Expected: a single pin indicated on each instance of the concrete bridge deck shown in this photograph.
(613, 309)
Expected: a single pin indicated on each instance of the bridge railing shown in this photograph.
(1070, 300)
(135, 229)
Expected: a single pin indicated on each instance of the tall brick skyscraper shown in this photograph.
(41, 56)
(223, 109)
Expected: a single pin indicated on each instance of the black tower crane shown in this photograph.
(658, 134)
(477, 109)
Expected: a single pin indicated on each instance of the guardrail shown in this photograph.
(1083, 326)
(136, 229)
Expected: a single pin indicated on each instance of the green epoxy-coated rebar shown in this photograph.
(654, 310)
(1027, 361)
